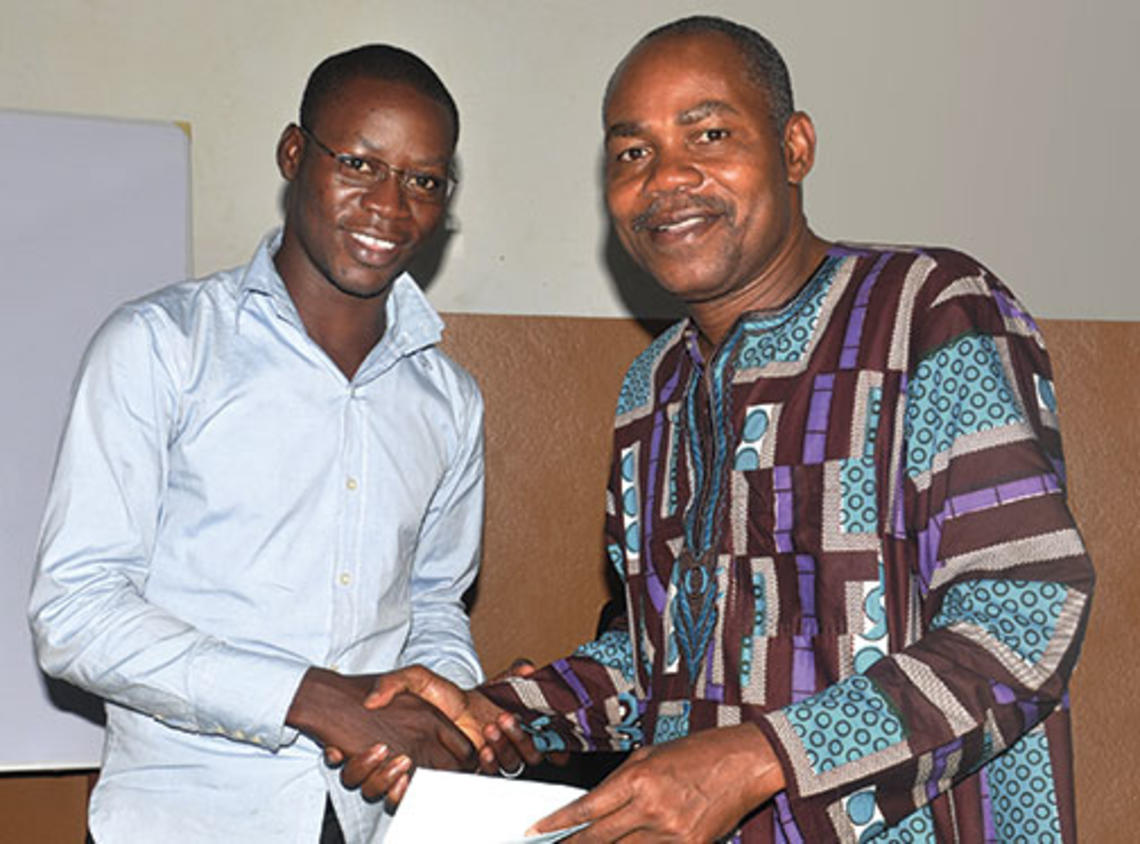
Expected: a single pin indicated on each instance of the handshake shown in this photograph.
(379, 726)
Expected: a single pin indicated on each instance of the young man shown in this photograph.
(854, 591)
(270, 489)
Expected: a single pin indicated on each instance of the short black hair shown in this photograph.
(376, 61)
(765, 65)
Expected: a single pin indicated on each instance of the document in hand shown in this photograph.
(447, 806)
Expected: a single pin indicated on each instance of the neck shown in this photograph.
(788, 272)
(346, 327)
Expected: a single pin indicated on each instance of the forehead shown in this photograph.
(674, 73)
(381, 113)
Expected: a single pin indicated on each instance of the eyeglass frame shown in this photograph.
(383, 170)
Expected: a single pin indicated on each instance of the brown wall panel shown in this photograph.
(550, 386)
(1097, 372)
(43, 808)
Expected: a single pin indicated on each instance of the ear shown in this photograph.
(289, 149)
(799, 147)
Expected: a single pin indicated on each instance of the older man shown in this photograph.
(854, 591)
(272, 480)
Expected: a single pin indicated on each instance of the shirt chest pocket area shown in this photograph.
(807, 535)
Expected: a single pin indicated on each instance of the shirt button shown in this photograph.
(345, 579)
(351, 483)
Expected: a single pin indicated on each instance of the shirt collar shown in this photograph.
(412, 323)
(764, 320)
(260, 276)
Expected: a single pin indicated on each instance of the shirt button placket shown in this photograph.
(343, 632)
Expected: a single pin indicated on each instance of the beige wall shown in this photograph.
(1007, 129)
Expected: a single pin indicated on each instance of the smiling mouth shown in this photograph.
(677, 220)
(372, 243)
(683, 230)
(682, 225)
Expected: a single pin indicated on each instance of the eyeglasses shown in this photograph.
(364, 171)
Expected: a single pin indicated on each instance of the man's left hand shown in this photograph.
(697, 788)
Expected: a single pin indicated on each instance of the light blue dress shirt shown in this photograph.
(227, 511)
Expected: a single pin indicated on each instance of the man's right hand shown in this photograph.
(408, 731)
(504, 746)
(501, 741)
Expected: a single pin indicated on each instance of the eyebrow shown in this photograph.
(704, 109)
(377, 151)
(699, 112)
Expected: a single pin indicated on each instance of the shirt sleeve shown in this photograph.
(1001, 579)
(91, 622)
(589, 700)
(447, 558)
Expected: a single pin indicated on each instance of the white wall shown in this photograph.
(78, 235)
(1008, 128)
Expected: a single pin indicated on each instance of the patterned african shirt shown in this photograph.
(849, 527)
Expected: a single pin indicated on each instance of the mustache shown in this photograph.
(675, 204)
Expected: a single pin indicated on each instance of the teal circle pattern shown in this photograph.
(1022, 793)
(672, 727)
(859, 511)
(1021, 614)
(612, 649)
(747, 460)
(861, 808)
(755, 424)
(785, 341)
(942, 406)
(870, 724)
(627, 467)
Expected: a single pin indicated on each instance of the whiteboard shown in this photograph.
(92, 212)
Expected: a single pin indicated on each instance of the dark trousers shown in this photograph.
(330, 827)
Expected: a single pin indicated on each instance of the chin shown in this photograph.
(686, 286)
(364, 290)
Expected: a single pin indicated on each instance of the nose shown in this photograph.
(386, 198)
(673, 169)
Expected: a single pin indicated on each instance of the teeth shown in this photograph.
(681, 225)
(371, 242)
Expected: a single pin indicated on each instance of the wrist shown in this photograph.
(768, 773)
(318, 691)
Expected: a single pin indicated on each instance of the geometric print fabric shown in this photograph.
(1020, 614)
(961, 389)
(798, 480)
(843, 723)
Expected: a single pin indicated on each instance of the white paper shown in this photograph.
(448, 806)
